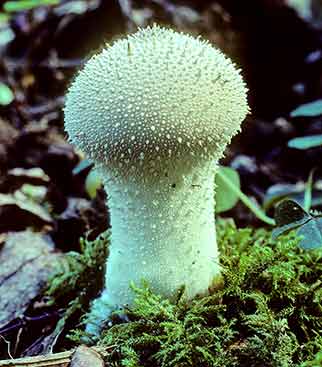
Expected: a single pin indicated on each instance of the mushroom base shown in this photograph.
(163, 231)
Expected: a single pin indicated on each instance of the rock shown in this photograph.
(84, 357)
(27, 261)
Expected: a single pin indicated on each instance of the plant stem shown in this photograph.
(247, 202)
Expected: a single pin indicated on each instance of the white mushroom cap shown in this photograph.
(156, 94)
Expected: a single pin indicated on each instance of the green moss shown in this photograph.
(267, 313)
(78, 280)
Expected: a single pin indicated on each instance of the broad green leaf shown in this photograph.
(288, 211)
(6, 95)
(6, 35)
(288, 227)
(73, 7)
(92, 183)
(308, 109)
(4, 18)
(289, 215)
(226, 198)
(305, 142)
(21, 5)
(260, 214)
(308, 192)
(311, 233)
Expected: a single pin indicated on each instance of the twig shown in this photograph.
(54, 360)
(62, 359)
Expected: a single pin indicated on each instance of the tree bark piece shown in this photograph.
(81, 357)
(52, 360)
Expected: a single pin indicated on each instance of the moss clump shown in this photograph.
(268, 312)
(79, 279)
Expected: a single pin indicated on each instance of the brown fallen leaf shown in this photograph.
(16, 177)
(18, 211)
(8, 135)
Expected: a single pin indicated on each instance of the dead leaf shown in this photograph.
(18, 211)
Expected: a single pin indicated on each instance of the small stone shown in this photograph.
(86, 357)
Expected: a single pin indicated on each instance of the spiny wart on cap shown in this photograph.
(157, 93)
(154, 112)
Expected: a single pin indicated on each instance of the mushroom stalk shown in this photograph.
(162, 231)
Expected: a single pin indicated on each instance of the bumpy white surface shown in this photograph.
(160, 233)
(155, 112)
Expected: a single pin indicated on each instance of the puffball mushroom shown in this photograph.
(155, 112)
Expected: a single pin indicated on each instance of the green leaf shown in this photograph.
(305, 142)
(288, 211)
(83, 165)
(295, 192)
(260, 214)
(14, 6)
(4, 18)
(287, 227)
(226, 198)
(6, 35)
(278, 192)
(308, 192)
(312, 234)
(308, 109)
(92, 183)
(73, 7)
(289, 215)
(6, 95)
